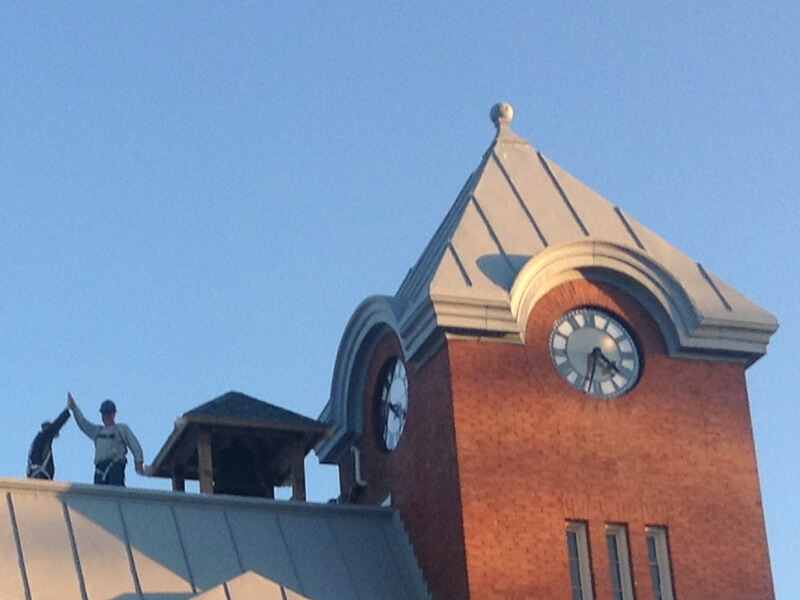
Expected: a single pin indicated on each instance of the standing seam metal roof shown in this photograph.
(518, 206)
(80, 542)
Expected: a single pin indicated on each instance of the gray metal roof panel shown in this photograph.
(206, 540)
(371, 580)
(261, 546)
(316, 573)
(98, 543)
(10, 573)
(64, 541)
(43, 534)
(249, 586)
(158, 554)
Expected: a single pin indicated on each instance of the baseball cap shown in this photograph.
(108, 407)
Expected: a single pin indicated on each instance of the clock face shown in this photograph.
(595, 353)
(392, 403)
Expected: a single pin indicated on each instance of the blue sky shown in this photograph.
(195, 197)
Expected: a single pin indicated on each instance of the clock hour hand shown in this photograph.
(397, 410)
(591, 367)
(609, 366)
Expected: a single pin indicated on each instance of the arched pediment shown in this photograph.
(721, 330)
(623, 267)
(371, 321)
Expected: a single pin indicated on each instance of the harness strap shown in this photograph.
(104, 467)
(34, 469)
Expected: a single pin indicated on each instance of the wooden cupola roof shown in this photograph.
(237, 444)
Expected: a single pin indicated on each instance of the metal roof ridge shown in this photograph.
(62, 489)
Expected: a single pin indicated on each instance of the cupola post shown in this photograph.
(238, 445)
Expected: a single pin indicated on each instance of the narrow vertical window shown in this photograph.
(658, 555)
(579, 564)
(619, 561)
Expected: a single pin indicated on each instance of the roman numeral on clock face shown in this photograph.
(595, 352)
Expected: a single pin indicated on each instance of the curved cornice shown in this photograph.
(371, 320)
(687, 331)
(621, 266)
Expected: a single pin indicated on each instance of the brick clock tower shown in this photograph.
(555, 402)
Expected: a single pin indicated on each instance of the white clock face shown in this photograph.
(393, 403)
(595, 353)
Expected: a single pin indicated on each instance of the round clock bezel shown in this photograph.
(596, 351)
(392, 403)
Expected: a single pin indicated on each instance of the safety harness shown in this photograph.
(104, 466)
(35, 470)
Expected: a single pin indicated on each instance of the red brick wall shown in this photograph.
(676, 451)
(421, 474)
(508, 452)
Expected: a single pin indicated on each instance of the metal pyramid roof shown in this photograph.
(520, 226)
(521, 219)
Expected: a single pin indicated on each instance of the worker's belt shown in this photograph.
(104, 466)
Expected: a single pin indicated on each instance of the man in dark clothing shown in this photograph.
(40, 456)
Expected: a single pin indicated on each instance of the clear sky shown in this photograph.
(195, 197)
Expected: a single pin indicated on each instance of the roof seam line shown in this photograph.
(132, 563)
(343, 550)
(74, 547)
(563, 194)
(413, 281)
(490, 230)
(459, 264)
(18, 543)
(717, 291)
(292, 560)
(183, 549)
(627, 225)
(233, 540)
(522, 204)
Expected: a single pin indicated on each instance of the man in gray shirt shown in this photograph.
(111, 443)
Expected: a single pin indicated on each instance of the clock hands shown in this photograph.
(592, 359)
(595, 353)
(591, 367)
(610, 367)
(397, 409)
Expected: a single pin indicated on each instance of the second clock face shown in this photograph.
(392, 403)
(595, 353)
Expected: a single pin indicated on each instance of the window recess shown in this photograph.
(619, 561)
(660, 564)
(579, 560)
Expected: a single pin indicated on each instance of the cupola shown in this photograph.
(239, 445)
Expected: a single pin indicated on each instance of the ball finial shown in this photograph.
(501, 113)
